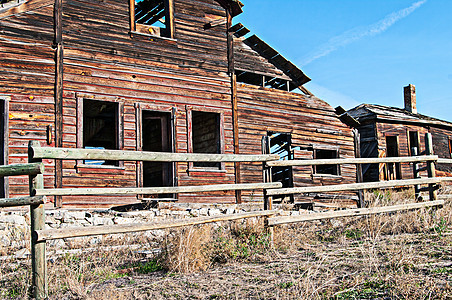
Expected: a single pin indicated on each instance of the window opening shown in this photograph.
(413, 140)
(450, 147)
(280, 143)
(332, 169)
(206, 136)
(392, 150)
(100, 128)
(152, 17)
(265, 81)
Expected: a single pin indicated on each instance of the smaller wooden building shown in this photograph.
(391, 132)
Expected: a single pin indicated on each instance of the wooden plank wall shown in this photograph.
(27, 78)
(441, 139)
(310, 121)
(401, 131)
(103, 60)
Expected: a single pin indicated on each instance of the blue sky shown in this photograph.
(363, 51)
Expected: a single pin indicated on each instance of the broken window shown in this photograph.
(281, 143)
(152, 17)
(264, 81)
(100, 127)
(206, 137)
(413, 141)
(332, 169)
(450, 147)
(393, 170)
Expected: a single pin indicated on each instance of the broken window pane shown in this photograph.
(206, 136)
(326, 169)
(100, 127)
(151, 12)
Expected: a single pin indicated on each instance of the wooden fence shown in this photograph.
(37, 194)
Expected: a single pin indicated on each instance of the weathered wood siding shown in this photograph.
(402, 132)
(27, 80)
(441, 138)
(311, 122)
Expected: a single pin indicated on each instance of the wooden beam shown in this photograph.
(53, 234)
(353, 186)
(59, 55)
(342, 161)
(156, 190)
(444, 161)
(22, 169)
(22, 201)
(38, 249)
(97, 154)
(352, 212)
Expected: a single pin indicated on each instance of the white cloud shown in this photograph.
(333, 98)
(358, 33)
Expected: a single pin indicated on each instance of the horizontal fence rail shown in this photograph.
(53, 234)
(352, 212)
(20, 201)
(352, 186)
(444, 161)
(342, 161)
(157, 190)
(98, 154)
(22, 169)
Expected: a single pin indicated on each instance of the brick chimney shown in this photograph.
(409, 93)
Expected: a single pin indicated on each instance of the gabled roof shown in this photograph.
(264, 50)
(366, 112)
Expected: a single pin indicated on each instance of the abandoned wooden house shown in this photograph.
(391, 132)
(156, 75)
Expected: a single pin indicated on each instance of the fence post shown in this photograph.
(430, 166)
(38, 289)
(267, 177)
(417, 188)
(359, 168)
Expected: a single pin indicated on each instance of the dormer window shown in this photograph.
(153, 17)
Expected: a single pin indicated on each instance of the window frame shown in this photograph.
(147, 29)
(189, 110)
(80, 165)
(314, 156)
(5, 157)
(418, 141)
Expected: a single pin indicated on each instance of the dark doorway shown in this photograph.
(3, 147)
(413, 137)
(392, 150)
(280, 143)
(157, 137)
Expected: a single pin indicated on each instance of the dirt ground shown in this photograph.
(406, 266)
(404, 255)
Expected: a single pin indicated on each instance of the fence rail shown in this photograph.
(52, 234)
(353, 186)
(352, 212)
(342, 161)
(21, 169)
(99, 154)
(22, 201)
(156, 190)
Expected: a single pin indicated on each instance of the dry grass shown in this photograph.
(404, 255)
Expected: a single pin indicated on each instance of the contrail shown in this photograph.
(360, 32)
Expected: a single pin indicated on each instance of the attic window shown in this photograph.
(154, 17)
(264, 81)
